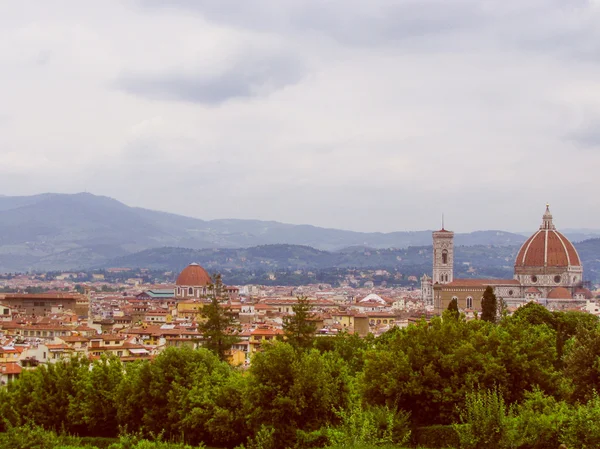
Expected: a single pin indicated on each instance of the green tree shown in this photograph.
(219, 328)
(582, 364)
(582, 430)
(535, 314)
(489, 305)
(292, 390)
(453, 308)
(298, 328)
(94, 403)
(174, 394)
(42, 396)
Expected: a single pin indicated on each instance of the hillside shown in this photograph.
(471, 261)
(482, 261)
(60, 231)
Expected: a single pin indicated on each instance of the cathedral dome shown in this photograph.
(193, 275)
(547, 248)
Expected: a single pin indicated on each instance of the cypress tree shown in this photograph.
(489, 305)
(453, 308)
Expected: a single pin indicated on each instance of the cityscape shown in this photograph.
(125, 312)
(299, 224)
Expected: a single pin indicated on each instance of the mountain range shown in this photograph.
(68, 231)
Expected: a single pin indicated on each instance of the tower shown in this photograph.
(443, 256)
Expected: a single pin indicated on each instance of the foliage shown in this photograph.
(264, 439)
(98, 442)
(535, 314)
(537, 422)
(485, 419)
(438, 436)
(582, 430)
(43, 396)
(373, 426)
(219, 328)
(299, 330)
(93, 406)
(582, 364)
(183, 391)
(295, 390)
(489, 305)
(453, 308)
(29, 436)
(342, 391)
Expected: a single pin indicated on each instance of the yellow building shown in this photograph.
(190, 309)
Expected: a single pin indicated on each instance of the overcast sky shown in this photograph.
(374, 115)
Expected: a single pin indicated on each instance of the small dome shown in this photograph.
(559, 293)
(584, 292)
(547, 248)
(194, 275)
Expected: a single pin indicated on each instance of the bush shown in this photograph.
(485, 420)
(537, 422)
(98, 442)
(373, 426)
(134, 441)
(582, 429)
(439, 436)
(29, 436)
(312, 440)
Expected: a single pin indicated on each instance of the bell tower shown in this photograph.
(443, 256)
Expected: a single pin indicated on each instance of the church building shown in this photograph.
(547, 270)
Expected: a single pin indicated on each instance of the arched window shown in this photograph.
(469, 302)
(445, 257)
(190, 291)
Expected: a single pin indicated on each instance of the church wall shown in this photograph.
(443, 295)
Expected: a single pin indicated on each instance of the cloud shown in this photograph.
(250, 76)
(542, 24)
(587, 136)
(371, 115)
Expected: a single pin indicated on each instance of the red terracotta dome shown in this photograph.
(584, 292)
(559, 293)
(193, 275)
(547, 248)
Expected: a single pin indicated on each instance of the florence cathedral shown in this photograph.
(548, 270)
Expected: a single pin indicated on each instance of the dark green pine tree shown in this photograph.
(219, 331)
(489, 305)
(453, 308)
(298, 328)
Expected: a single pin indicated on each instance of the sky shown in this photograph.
(369, 116)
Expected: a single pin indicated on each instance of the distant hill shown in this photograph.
(471, 261)
(478, 261)
(59, 231)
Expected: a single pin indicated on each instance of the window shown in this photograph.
(534, 278)
(190, 291)
(445, 257)
(469, 302)
(557, 278)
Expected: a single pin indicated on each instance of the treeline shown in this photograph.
(528, 381)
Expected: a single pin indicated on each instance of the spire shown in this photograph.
(443, 221)
(547, 219)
